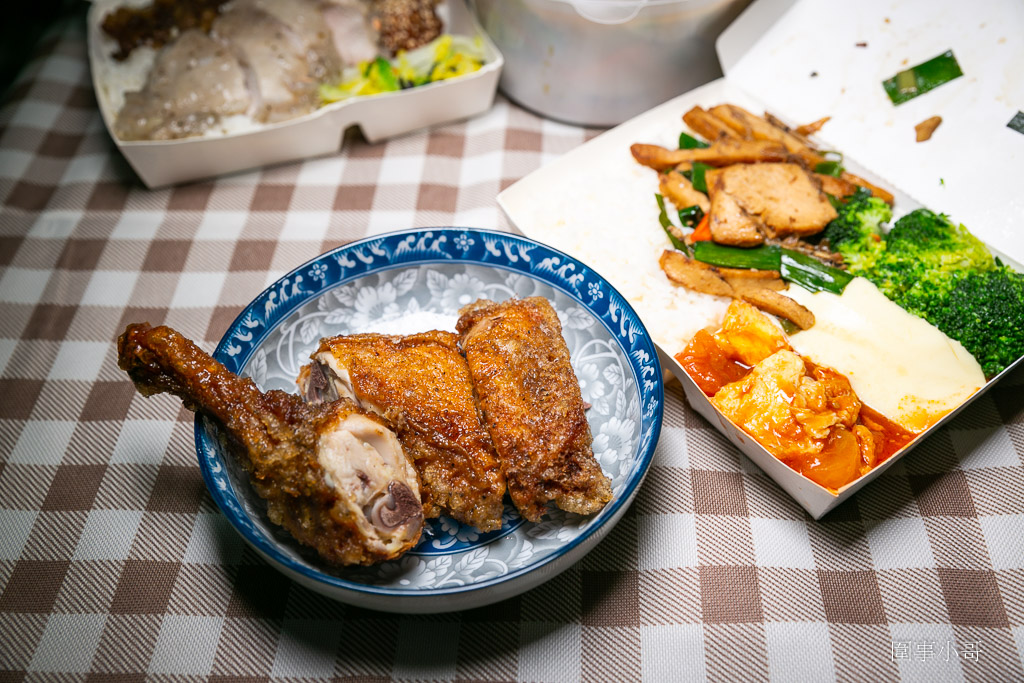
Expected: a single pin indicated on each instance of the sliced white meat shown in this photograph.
(363, 460)
(194, 82)
(354, 38)
(274, 58)
(306, 20)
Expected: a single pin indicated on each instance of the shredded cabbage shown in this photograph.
(445, 57)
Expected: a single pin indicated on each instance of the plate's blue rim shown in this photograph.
(420, 250)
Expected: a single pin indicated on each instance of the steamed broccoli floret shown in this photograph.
(896, 276)
(938, 271)
(941, 244)
(856, 232)
(984, 311)
(921, 291)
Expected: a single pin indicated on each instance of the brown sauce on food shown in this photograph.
(158, 23)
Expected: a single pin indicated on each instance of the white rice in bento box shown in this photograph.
(609, 221)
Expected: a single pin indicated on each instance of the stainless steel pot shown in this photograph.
(600, 62)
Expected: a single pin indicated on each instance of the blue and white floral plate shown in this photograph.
(415, 281)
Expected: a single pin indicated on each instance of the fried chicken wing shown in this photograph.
(532, 406)
(421, 384)
(334, 477)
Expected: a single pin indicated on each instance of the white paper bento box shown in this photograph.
(522, 200)
(168, 162)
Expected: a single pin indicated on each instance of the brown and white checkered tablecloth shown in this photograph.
(115, 563)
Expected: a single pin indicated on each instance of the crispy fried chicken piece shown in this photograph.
(420, 383)
(334, 477)
(532, 406)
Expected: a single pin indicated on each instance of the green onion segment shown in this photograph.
(687, 141)
(697, 176)
(672, 231)
(812, 274)
(765, 257)
(832, 168)
(691, 216)
(795, 267)
(917, 80)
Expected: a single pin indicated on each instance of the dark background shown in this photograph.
(23, 28)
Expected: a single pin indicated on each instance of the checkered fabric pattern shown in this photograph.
(114, 562)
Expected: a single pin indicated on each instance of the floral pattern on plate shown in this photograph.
(413, 282)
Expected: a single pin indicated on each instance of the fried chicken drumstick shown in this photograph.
(532, 406)
(334, 477)
(420, 383)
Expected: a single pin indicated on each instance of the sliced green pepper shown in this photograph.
(674, 234)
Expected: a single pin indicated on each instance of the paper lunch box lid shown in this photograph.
(321, 132)
(971, 167)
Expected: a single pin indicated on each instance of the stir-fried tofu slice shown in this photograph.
(707, 125)
(680, 191)
(732, 122)
(879, 192)
(751, 126)
(806, 129)
(744, 280)
(693, 274)
(722, 153)
(781, 306)
(728, 221)
(785, 196)
(837, 187)
(752, 286)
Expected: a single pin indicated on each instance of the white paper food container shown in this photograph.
(168, 162)
(520, 202)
